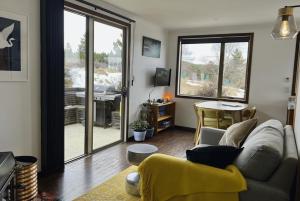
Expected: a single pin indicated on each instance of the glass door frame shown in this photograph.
(92, 21)
(92, 16)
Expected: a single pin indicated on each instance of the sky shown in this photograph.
(205, 52)
(74, 29)
(200, 53)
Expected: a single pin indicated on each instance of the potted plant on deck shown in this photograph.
(139, 130)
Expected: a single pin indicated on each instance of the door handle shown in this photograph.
(124, 91)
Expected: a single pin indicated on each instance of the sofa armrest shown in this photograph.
(285, 175)
(261, 191)
(211, 136)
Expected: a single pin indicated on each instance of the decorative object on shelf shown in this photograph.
(13, 47)
(168, 96)
(151, 47)
(285, 26)
(159, 100)
(139, 130)
(165, 124)
(162, 110)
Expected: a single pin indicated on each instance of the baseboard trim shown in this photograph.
(184, 128)
(130, 139)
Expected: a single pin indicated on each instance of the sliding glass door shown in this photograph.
(95, 83)
(108, 67)
(75, 84)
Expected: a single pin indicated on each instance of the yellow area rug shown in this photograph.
(111, 190)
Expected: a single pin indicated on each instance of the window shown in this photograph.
(214, 66)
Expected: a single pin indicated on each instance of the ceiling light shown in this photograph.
(285, 26)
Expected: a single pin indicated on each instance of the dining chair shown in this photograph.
(246, 114)
(209, 118)
(249, 113)
(228, 119)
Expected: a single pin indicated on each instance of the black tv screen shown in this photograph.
(162, 77)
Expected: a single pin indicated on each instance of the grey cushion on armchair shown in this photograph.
(211, 136)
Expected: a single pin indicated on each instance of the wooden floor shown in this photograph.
(82, 175)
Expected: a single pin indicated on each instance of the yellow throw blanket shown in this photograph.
(166, 178)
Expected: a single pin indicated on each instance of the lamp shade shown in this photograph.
(285, 26)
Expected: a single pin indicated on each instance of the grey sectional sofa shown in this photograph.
(268, 161)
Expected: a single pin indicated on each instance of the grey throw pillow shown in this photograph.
(237, 133)
(263, 151)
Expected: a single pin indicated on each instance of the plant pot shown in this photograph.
(139, 136)
(149, 132)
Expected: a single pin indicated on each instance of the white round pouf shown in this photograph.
(136, 153)
(132, 184)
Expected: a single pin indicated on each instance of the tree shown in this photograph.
(101, 58)
(235, 69)
(237, 58)
(68, 78)
(68, 51)
(81, 48)
(117, 47)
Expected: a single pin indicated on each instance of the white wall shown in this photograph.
(144, 67)
(272, 62)
(20, 101)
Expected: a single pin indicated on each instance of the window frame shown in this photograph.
(222, 39)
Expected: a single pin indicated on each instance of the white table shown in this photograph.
(223, 106)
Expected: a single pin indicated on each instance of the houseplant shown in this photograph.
(139, 129)
(144, 115)
(149, 131)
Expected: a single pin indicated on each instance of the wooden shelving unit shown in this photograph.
(162, 116)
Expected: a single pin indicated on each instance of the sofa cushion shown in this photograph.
(237, 133)
(216, 156)
(201, 145)
(263, 151)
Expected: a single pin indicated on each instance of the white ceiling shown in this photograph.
(177, 14)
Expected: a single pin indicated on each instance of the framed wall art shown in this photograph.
(151, 47)
(13, 47)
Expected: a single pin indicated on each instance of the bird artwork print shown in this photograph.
(4, 40)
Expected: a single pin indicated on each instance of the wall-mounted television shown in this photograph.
(162, 77)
